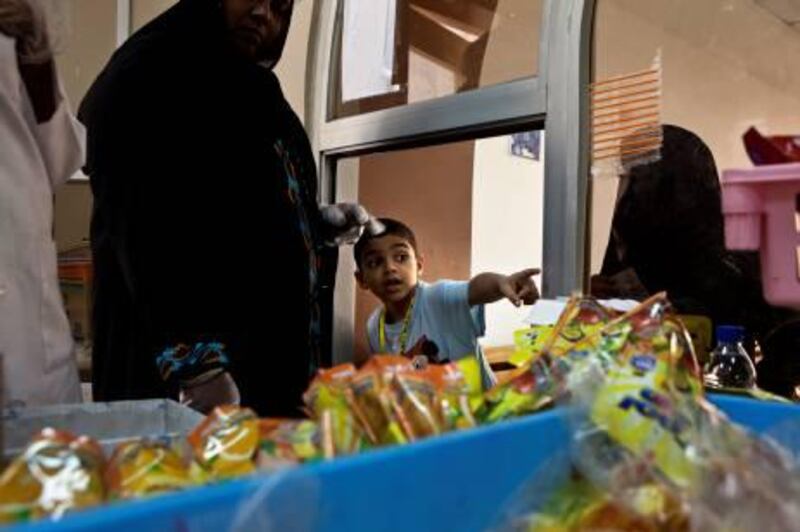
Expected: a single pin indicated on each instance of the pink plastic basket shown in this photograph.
(762, 212)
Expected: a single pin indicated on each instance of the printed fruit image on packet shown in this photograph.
(142, 468)
(56, 474)
(226, 442)
(582, 317)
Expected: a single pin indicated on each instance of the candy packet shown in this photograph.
(581, 318)
(288, 442)
(459, 392)
(375, 403)
(56, 474)
(341, 421)
(412, 398)
(142, 468)
(545, 357)
(226, 442)
(641, 390)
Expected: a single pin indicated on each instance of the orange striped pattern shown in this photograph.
(626, 118)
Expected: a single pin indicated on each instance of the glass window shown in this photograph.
(475, 206)
(728, 65)
(394, 52)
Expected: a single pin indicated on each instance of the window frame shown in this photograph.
(556, 98)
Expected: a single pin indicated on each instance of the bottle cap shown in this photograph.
(730, 334)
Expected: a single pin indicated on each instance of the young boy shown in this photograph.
(442, 320)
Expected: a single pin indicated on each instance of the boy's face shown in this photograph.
(389, 268)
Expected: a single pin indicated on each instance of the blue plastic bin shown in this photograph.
(459, 481)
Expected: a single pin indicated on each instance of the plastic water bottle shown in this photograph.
(729, 365)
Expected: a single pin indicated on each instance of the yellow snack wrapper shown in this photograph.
(330, 401)
(460, 393)
(648, 400)
(142, 468)
(582, 318)
(286, 442)
(226, 442)
(56, 474)
(376, 404)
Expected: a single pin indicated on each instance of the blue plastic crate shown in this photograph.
(459, 481)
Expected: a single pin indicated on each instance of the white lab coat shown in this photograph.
(35, 340)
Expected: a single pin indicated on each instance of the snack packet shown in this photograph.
(517, 396)
(330, 401)
(546, 357)
(141, 468)
(582, 317)
(459, 392)
(646, 399)
(375, 404)
(529, 343)
(57, 473)
(579, 505)
(413, 402)
(226, 442)
(287, 442)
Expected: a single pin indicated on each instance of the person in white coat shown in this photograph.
(41, 146)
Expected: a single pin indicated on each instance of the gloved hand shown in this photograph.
(24, 21)
(208, 391)
(346, 222)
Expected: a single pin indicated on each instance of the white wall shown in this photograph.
(507, 224)
(728, 64)
(292, 68)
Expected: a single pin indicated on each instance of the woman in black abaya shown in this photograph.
(211, 277)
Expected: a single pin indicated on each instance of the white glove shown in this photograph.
(24, 21)
(347, 221)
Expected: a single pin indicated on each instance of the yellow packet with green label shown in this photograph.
(582, 318)
(516, 397)
(648, 399)
(374, 404)
(329, 399)
(529, 343)
(633, 407)
(459, 392)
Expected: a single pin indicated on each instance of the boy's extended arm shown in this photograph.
(518, 288)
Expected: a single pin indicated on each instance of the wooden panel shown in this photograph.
(476, 13)
(499, 354)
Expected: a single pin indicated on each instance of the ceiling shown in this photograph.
(786, 10)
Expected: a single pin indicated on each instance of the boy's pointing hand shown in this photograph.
(519, 287)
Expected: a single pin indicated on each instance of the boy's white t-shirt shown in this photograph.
(442, 314)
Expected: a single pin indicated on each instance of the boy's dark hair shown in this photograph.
(393, 227)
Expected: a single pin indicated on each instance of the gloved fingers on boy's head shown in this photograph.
(375, 227)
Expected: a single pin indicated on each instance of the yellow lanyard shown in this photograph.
(403, 331)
